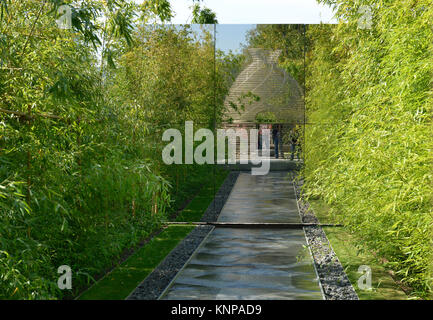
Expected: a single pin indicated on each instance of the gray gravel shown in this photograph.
(212, 212)
(335, 283)
(156, 282)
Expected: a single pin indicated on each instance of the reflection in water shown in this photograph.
(250, 264)
(268, 198)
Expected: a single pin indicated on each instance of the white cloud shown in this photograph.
(258, 11)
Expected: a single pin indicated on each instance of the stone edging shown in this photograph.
(157, 281)
(335, 283)
(212, 212)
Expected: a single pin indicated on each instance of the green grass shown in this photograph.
(344, 245)
(121, 281)
(196, 208)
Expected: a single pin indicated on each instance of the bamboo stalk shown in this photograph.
(155, 203)
(33, 28)
(33, 116)
(28, 116)
(10, 68)
(29, 109)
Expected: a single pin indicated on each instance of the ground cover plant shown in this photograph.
(345, 245)
(82, 111)
(369, 141)
(119, 283)
(125, 277)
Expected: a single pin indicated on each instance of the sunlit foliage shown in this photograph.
(82, 109)
(368, 147)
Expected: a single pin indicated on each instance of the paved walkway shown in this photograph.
(235, 263)
(269, 198)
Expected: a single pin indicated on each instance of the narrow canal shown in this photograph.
(240, 263)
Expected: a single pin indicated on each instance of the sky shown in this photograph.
(257, 11)
(230, 36)
(236, 17)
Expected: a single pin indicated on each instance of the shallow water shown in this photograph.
(234, 263)
(256, 199)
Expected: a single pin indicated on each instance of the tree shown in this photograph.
(203, 16)
(289, 38)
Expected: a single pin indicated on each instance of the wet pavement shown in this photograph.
(246, 264)
(260, 199)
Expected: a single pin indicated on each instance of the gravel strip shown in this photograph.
(335, 283)
(156, 282)
(212, 212)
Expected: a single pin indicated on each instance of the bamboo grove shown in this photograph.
(82, 111)
(369, 144)
(368, 134)
(82, 115)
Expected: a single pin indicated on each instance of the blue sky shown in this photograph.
(257, 11)
(230, 36)
(236, 17)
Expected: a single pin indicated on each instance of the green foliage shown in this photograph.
(346, 246)
(369, 94)
(266, 117)
(245, 99)
(194, 211)
(168, 77)
(289, 38)
(203, 16)
(118, 284)
(81, 173)
(158, 8)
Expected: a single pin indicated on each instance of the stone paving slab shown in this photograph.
(269, 198)
(239, 263)
(245, 264)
